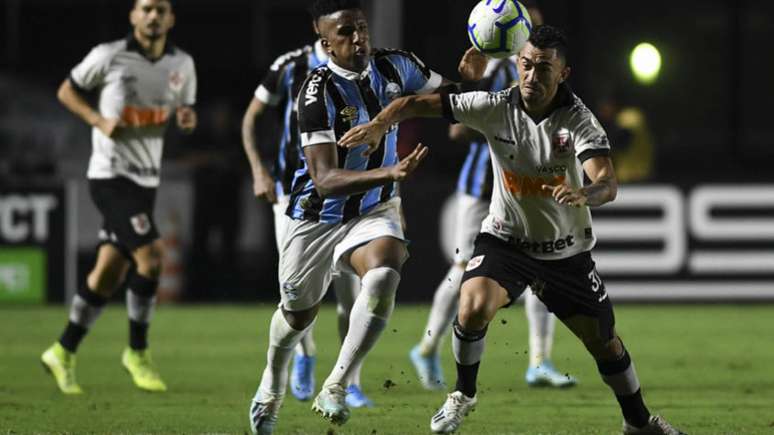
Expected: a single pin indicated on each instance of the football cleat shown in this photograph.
(144, 373)
(449, 418)
(546, 375)
(357, 399)
(656, 426)
(331, 404)
(302, 377)
(61, 364)
(264, 412)
(428, 369)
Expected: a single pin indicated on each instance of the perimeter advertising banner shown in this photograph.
(32, 243)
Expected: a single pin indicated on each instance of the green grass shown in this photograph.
(707, 368)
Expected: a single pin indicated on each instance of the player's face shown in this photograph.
(344, 34)
(152, 19)
(540, 73)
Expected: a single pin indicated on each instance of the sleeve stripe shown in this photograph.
(593, 152)
(317, 137)
(446, 105)
(433, 83)
(263, 95)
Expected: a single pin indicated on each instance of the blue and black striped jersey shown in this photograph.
(476, 175)
(280, 88)
(333, 100)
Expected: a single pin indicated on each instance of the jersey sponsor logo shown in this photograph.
(545, 247)
(349, 114)
(312, 88)
(523, 186)
(141, 224)
(561, 143)
(392, 91)
(555, 169)
(600, 141)
(282, 60)
(176, 81)
(144, 117)
(474, 263)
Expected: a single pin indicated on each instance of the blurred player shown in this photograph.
(280, 88)
(140, 81)
(538, 232)
(344, 212)
(474, 189)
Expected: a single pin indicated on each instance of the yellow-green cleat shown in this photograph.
(61, 364)
(144, 373)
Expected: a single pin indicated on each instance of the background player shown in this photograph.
(474, 188)
(280, 88)
(141, 81)
(543, 141)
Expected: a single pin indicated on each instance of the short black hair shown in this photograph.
(134, 3)
(321, 8)
(546, 36)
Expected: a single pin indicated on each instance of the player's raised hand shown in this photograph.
(109, 126)
(472, 65)
(186, 119)
(564, 194)
(408, 164)
(370, 134)
(263, 187)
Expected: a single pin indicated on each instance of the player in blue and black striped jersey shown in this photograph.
(474, 191)
(279, 88)
(344, 212)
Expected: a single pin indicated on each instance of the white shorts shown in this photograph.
(311, 252)
(280, 224)
(471, 211)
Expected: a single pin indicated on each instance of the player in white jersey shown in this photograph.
(141, 81)
(280, 87)
(538, 233)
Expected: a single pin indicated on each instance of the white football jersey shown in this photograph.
(144, 94)
(527, 155)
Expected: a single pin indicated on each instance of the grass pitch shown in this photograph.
(706, 368)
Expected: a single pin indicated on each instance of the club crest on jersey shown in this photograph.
(141, 223)
(392, 91)
(176, 80)
(561, 143)
(349, 114)
(474, 263)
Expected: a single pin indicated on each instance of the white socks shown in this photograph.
(541, 329)
(282, 340)
(445, 303)
(139, 308)
(82, 313)
(369, 316)
(306, 346)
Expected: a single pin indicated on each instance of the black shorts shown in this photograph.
(568, 287)
(127, 213)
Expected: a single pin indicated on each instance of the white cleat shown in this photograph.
(449, 418)
(331, 404)
(656, 426)
(264, 412)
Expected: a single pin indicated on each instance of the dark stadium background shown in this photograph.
(709, 111)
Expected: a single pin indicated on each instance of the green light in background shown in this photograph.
(645, 62)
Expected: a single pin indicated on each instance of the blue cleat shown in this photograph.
(428, 369)
(357, 399)
(302, 377)
(546, 375)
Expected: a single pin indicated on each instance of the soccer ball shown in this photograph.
(499, 28)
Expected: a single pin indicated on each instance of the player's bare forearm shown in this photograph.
(415, 106)
(604, 184)
(254, 110)
(75, 103)
(333, 182)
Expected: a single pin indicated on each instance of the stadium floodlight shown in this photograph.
(645, 62)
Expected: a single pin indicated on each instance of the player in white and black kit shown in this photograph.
(141, 81)
(279, 88)
(538, 233)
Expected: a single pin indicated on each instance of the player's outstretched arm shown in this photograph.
(75, 103)
(330, 180)
(416, 106)
(186, 119)
(603, 187)
(263, 183)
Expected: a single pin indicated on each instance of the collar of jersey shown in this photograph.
(133, 45)
(347, 74)
(319, 52)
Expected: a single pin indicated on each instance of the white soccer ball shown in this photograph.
(499, 28)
